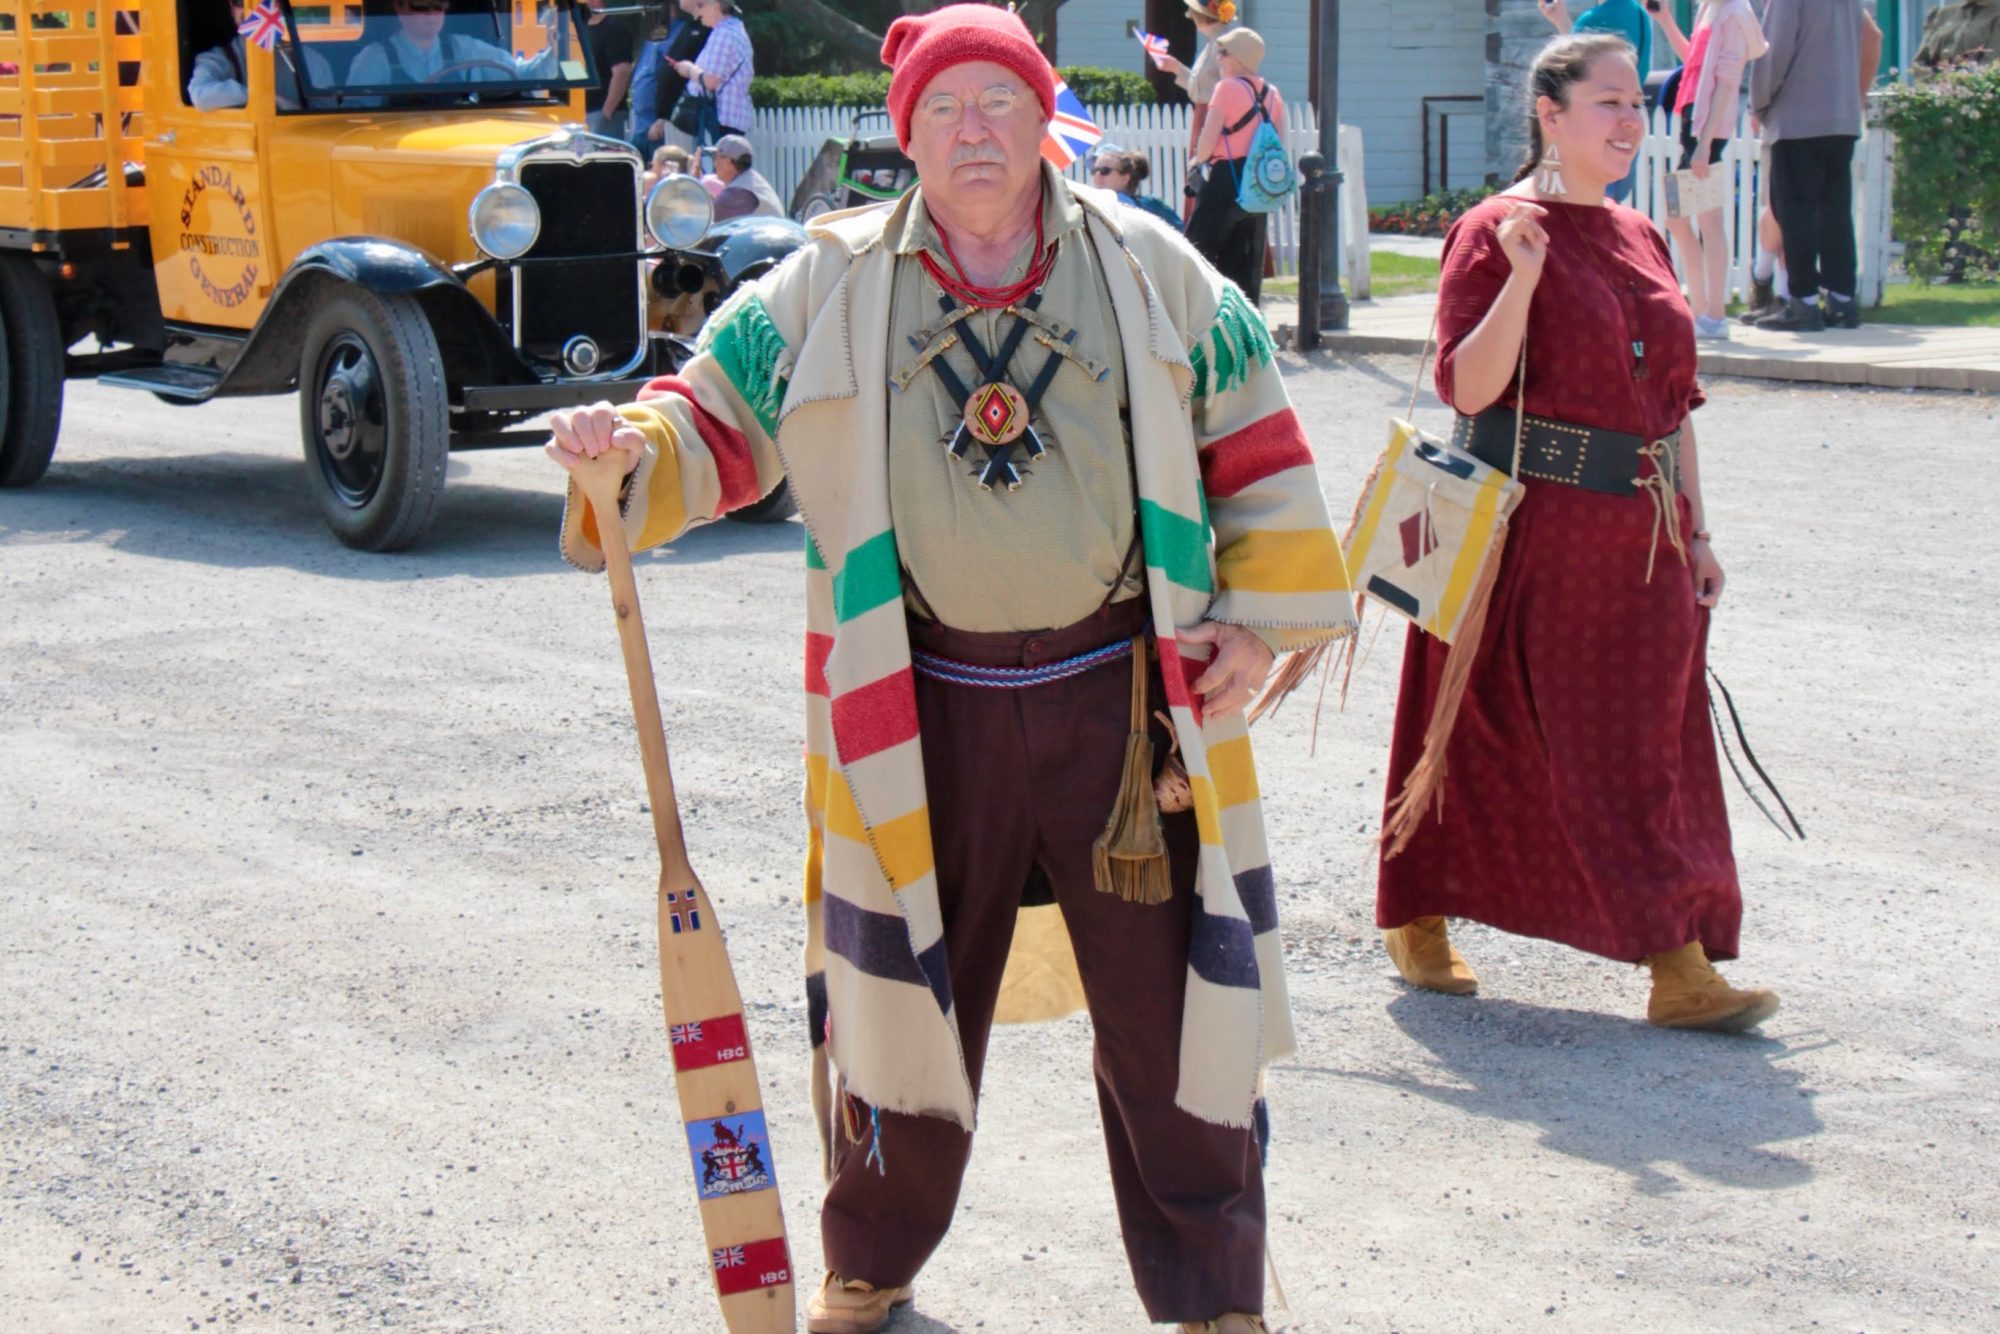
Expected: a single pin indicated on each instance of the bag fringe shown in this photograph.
(1129, 858)
(1423, 786)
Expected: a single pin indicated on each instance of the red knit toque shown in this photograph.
(921, 46)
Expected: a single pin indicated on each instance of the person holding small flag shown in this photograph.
(219, 81)
(1228, 235)
(1212, 20)
(1055, 496)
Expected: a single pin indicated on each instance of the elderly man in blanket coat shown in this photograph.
(1027, 428)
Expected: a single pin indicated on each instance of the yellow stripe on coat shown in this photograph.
(1233, 772)
(1283, 560)
(903, 844)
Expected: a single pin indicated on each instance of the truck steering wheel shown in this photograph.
(458, 65)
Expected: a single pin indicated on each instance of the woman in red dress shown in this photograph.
(1581, 801)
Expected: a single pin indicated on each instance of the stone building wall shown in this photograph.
(1515, 31)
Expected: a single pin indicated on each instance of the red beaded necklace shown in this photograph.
(959, 287)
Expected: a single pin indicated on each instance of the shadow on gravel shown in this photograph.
(1615, 1091)
(249, 511)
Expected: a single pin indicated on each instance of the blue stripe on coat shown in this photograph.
(1260, 898)
(879, 945)
(1222, 951)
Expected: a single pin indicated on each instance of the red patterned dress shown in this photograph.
(1582, 801)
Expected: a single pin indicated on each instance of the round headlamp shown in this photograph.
(679, 211)
(505, 220)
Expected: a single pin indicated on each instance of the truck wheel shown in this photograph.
(774, 508)
(31, 372)
(372, 411)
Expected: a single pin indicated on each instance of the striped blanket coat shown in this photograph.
(1234, 529)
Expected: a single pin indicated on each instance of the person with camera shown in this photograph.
(1576, 796)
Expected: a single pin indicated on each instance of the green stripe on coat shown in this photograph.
(1176, 545)
(1236, 343)
(747, 345)
(871, 576)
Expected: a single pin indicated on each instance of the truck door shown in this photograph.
(212, 257)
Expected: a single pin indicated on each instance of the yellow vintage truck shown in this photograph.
(388, 206)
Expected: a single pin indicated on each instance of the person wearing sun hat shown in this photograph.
(1060, 517)
(1212, 18)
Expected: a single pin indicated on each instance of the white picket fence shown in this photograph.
(789, 139)
(1874, 161)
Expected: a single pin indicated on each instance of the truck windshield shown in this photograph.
(432, 53)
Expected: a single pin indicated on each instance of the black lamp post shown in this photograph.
(1325, 271)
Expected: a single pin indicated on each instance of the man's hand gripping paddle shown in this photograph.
(735, 1178)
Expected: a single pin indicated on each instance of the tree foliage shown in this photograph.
(1947, 195)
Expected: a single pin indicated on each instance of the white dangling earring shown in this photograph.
(1548, 174)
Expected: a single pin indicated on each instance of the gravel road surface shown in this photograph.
(329, 996)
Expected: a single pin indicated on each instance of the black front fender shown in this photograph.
(474, 347)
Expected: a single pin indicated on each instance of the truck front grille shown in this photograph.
(588, 209)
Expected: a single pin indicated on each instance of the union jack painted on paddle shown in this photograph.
(728, 1257)
(682, 1034)
(264, 26)
(681, 912)
(1072, 133)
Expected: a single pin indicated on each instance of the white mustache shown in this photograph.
(967, 154)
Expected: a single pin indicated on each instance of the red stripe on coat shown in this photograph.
(874, 717)
(818, 647)
(1178, 675)
(1262, 448)
(735, 470)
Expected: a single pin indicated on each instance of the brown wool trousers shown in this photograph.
(1021, 779)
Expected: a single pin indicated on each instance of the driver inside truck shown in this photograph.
(419, 50)
(218, 80)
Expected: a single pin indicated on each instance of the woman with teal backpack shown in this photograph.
(1228, 234)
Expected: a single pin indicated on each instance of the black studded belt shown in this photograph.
(1586, 456)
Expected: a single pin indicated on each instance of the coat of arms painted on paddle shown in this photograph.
(730, 1159)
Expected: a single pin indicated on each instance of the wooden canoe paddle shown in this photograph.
(714, 1073)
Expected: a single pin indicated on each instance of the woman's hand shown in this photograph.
(1700, 166)
(1172, 67)
(684, 68)
(1522, 238)
(1237, 671)
(584, 433)
(1557, 13)
(1707, 572)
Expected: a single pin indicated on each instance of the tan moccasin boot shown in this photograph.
(1426, 958)
(849, 1306)
(1233, 1323)
(1689, 993)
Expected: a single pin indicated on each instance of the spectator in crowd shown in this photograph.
(668, 160)
(219, 82)
(1806, 95)
(1967, 32)
(724, 68)
(1119, 169)
(657, 85)
(1227, 234)
(613, 39)
(745, 193)
(1726, 39)
(1212, 18)
(1620, 18)
(1770, 288)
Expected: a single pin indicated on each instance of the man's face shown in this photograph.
(726, 169)
(976, 135)
(422, 20)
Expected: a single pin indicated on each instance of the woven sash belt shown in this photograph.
(1552, 451)
(1015, 678)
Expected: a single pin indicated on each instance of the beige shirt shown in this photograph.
(1046, 555)
(1206, 72)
